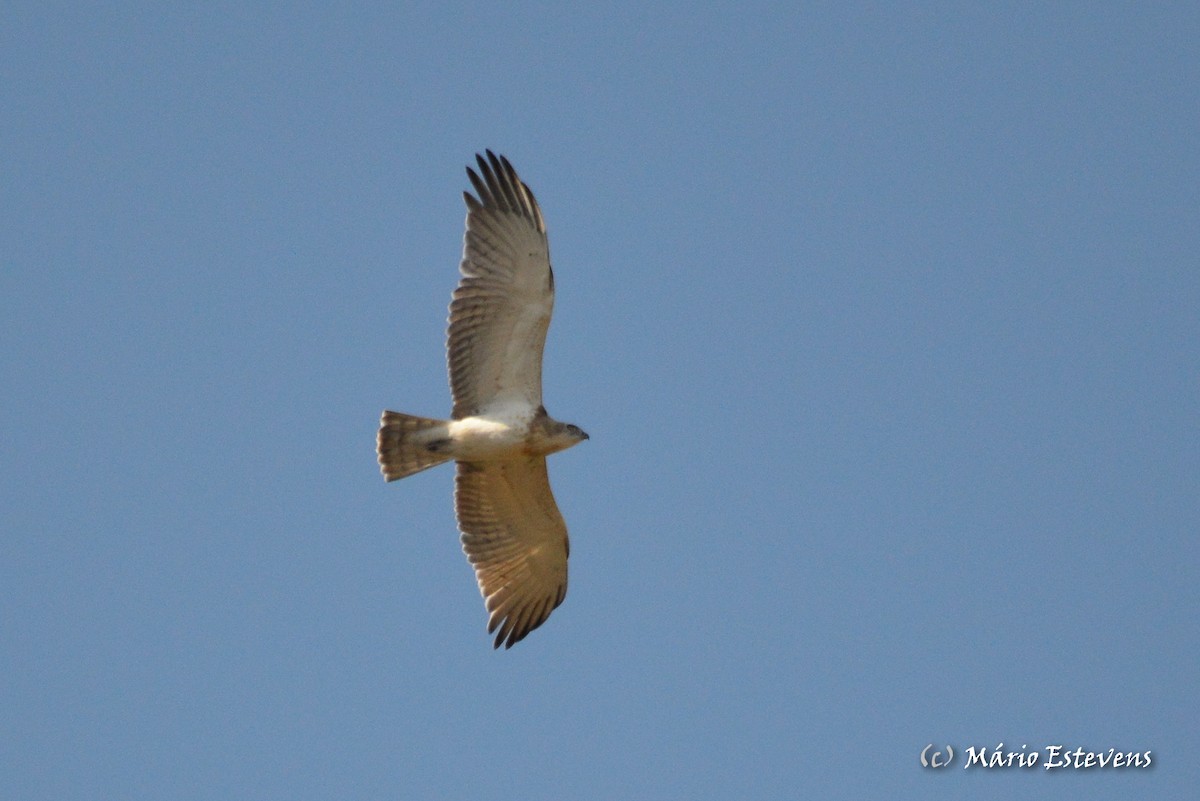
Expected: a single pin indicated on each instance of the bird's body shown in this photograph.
(499, 432)
(504, 433)
(499, 435)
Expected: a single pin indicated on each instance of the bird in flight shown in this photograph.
(498, 432)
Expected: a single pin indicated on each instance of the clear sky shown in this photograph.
(885, 324)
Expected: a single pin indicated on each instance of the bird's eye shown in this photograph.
(573, 429)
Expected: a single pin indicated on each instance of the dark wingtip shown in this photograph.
(498, 185)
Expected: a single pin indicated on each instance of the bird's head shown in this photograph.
(564, 435)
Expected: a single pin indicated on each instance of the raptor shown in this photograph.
(499, 433)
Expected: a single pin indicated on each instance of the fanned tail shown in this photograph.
(409, 444)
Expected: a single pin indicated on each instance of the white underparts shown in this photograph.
(487, 437)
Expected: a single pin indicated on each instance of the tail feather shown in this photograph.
(409, 444)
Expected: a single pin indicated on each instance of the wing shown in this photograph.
(501, 309)
(515, 537)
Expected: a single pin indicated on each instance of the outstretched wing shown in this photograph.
(501, 309)
(515, 537)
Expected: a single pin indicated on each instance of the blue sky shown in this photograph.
(883, 322)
